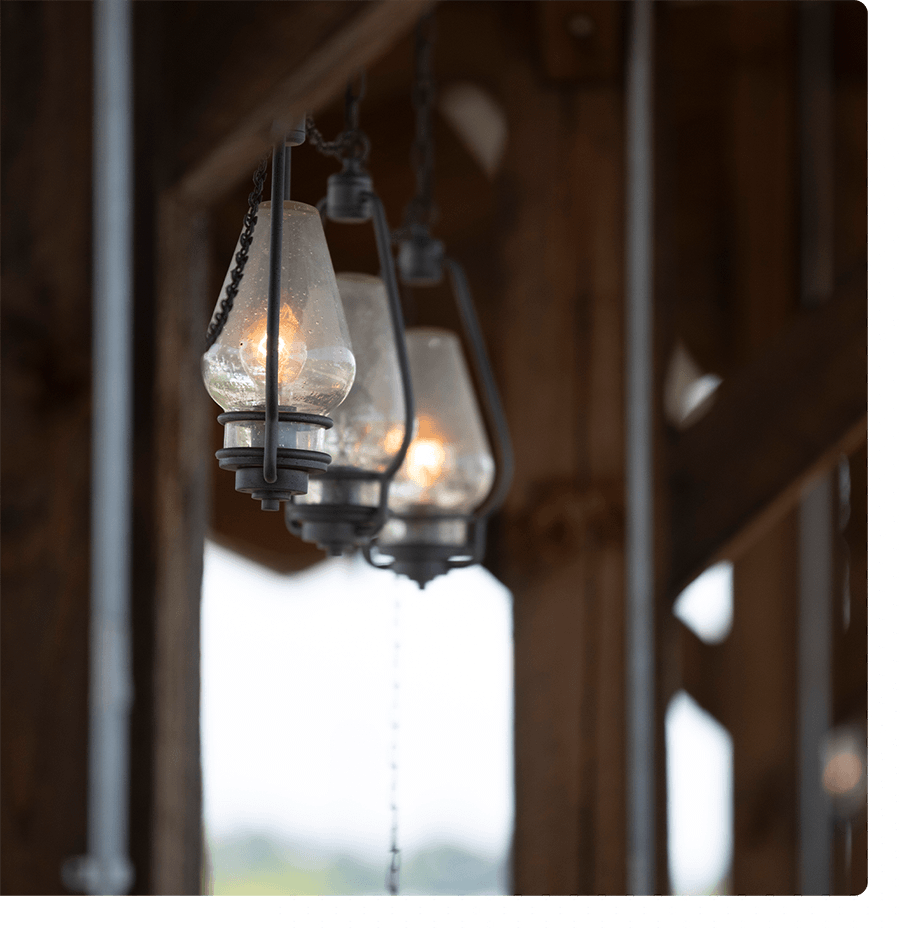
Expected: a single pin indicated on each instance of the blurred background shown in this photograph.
(297, 724)
(657, 683)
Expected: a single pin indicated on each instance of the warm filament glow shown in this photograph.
(291, 348)
(425, 461)
(394, 439)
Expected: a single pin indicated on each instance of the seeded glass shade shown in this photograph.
(315, 362)
(449, 466)
(369, 424)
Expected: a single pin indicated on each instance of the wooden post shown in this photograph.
(558, 341)
(761, 651)
(46, 388)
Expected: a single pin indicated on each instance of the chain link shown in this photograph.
(393, 876)
(422, 210)
(220, 316)
(352, 142)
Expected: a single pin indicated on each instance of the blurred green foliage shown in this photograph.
(263, 865)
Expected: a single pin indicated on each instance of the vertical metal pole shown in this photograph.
(493, 406)
(639, 456)
(389, 276)
(814, 682)
(106, 870)
(270, 451)
(815, 605)
(288, 152)
(295, 137)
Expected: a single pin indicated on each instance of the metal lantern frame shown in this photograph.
(424, 557)
(271, 474)
(422, 262)
(346, 518)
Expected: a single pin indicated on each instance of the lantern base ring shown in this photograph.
(342, 513)
(339, 531)
(422, 562)
(426, 546)
(294, 464)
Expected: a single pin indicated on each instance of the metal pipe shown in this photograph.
(814, 684)
(287, 171)
(639, 457)
(816, 548)
(296, 136)
(270, 449)
(106, 868)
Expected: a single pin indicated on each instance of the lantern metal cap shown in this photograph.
(349, 196)
(420, 259)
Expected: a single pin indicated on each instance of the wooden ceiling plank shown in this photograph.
(296, 59)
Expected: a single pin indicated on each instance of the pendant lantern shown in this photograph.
(347, 505)
(281, 291)
(449, 483)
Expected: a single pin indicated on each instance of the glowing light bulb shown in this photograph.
(448, 466)
(292, 349)
(425, 461)
(393, 440)
(369, 424)
(316, 366)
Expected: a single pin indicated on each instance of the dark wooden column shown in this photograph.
(726, 257)
(46, 389)
(558, 341)
(761, 652)
(850, 643)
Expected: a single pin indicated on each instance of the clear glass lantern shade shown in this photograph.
(369, 424)
(449, 466)
(316, 366)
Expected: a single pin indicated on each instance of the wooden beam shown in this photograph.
(46, 472)
(700, 671)
(557, 337)
(760, 665)
(180, 489)
(786, 417)
(236, 69)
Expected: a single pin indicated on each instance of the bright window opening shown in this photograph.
(297, 689)
(706, 605)
(700, 781)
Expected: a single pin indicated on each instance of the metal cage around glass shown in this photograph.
(347, 506)
(449, 482)
(276, 404)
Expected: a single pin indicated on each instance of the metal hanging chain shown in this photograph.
(421, 210)
(352, 143)
(220, 317)
(393, 876)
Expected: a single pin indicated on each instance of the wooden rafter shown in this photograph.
(788, 416)
(261, 63)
